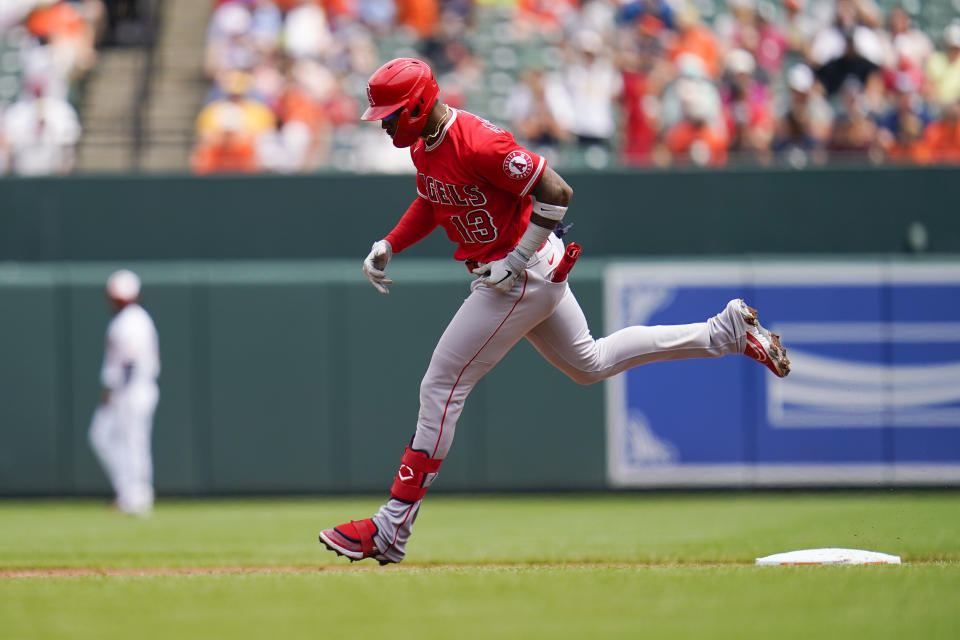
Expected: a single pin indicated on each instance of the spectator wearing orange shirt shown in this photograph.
(231, 152)
(314, 104)
(690, 85)
(418, 15)
(692, 141)
(543, 16)
(902, 126)
(229, 129)
(68, 32)
(696, 139)
(696, 38)
(941, 140)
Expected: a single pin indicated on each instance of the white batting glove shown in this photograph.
(502, 274)
(375, 263)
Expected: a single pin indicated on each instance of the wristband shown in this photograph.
(535, 235)
(549, 211)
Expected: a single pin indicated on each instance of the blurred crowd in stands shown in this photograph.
(287, 77)
(594, 83)
(46, 47)
(588, 83)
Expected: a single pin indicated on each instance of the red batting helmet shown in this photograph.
(404, 84)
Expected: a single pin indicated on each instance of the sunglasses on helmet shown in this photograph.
(393, 116)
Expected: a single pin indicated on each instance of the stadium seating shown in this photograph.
(138, 106)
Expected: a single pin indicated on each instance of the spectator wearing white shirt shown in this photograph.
(41, 133)
(307, 31)
(904, 43)
(593, 84)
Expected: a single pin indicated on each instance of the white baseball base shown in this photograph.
(827, 555)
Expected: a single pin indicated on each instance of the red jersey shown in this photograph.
(473, 181)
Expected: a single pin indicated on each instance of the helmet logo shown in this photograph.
(370, 96)
(518, 165)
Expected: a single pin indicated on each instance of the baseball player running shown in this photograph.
(121, 425)
(499, 203)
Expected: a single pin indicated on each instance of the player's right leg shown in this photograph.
(564, 339)
(487, 325)
(105, 440)
(483, 330)
(384, 536)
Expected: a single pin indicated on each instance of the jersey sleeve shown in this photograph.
(508, 165)
(416, 223)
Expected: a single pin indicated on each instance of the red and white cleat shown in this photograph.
(354, 540)
(762, 345)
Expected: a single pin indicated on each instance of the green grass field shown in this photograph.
(591, 566)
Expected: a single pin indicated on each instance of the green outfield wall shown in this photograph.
(837, 210)
(281, 377)
(285, 377)
(283, 371)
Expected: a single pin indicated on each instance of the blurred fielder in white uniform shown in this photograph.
(122, 423)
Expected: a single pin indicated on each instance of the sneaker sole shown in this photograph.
(340, 551)
(777, 352)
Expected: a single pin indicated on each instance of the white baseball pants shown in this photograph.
(120, 436)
